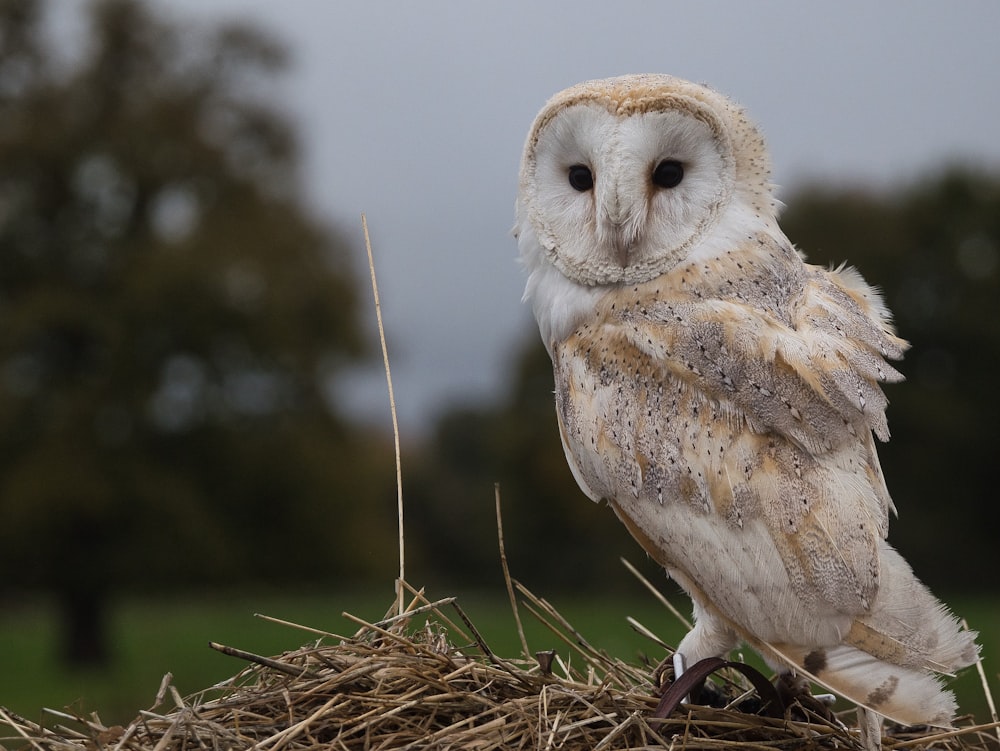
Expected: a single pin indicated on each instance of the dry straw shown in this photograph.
(392, 410)
(424, 678)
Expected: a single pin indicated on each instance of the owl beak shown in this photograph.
(621, 220)
(620, 228)
(621, 246)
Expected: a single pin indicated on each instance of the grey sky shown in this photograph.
(415, 113)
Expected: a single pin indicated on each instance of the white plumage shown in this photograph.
(721, 394)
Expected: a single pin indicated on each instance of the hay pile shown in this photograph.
(426, 679)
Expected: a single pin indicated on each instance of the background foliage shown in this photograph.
(171, 317)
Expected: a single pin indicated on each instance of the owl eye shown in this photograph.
(581, 178)
(668, 173)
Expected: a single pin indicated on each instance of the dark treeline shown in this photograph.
(170, 317)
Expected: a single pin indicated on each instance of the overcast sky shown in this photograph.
(415, 113)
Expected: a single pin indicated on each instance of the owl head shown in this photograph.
(624, 178)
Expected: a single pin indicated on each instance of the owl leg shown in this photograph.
(710, 637)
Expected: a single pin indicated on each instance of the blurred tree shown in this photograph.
(935, 249)
(171, 318)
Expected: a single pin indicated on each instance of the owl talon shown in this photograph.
(679, 668)
(795, 689)
(679, 665)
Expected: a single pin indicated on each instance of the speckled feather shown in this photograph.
(722, 395)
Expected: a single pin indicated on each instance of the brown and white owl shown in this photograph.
(722, 394)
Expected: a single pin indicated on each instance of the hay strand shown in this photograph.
(656, 593)
(395, 421)
(506, 574)
(986, 688)
(299, 626)
(295, 672)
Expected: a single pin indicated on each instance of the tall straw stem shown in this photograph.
(400, 603)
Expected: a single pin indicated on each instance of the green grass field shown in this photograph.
(152, 637)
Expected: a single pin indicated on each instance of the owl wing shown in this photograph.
(688, 411)
(810, 372)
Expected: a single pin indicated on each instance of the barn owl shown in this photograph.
(721, 394)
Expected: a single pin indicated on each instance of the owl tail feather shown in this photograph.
(908, 626)
(888, 658)
(908, 696)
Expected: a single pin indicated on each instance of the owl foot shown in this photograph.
(794, 689)
(679, 670)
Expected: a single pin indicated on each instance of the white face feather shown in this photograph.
(625, 228)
